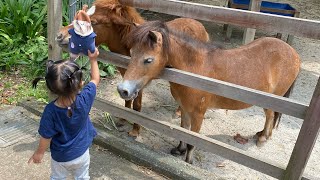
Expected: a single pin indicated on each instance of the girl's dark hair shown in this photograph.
(63, 78)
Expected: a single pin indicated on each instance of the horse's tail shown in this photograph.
(35, 81)
(277, 115)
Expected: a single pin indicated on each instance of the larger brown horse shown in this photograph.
(112, 22)
(266, 64)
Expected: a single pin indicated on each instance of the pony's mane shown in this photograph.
(140, 35)
(129, 15)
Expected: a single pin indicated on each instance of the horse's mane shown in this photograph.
(120, 14)
(140, 35)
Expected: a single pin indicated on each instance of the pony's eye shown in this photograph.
(148, 61)
(94, 22)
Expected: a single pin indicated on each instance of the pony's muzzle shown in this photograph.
(128, 90)
(61, 39)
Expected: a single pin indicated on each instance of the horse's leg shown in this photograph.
(196, 122)
(185, 123)
(264, 135)
(136, 106)
(122, 121)
(178, 112)
(127, 104)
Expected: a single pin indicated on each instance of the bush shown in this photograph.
(22, 30)
(23, 18)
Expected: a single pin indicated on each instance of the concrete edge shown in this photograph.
(137, 152)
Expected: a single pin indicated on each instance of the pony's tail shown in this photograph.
(277, 115)
(35, 81)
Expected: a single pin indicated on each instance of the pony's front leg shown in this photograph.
(182, 147)
(196, 122)
(122, 121)
(136, 106)
(266, 133)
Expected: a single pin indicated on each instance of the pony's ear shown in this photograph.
(85, 7)
(91, 11)
(136, 24)
(155, 36)
(118, 9)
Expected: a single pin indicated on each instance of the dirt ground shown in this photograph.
(222, 126)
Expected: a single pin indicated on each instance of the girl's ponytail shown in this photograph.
(35, 81)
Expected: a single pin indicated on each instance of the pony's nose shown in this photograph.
(59, 37)
(127, 90)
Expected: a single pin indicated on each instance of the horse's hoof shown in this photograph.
(190, 161)
(178, 113)
(261, 141)
(121, 123)
(177, 152)
(133, 133)
(258, 134)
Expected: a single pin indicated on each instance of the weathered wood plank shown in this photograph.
(307, 137)
(249, 33)
(251, 96)
(244, 94)
(198, 140)
(54, 24)
(256, 20)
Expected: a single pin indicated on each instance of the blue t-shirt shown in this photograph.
(71, 136)
(81, 44)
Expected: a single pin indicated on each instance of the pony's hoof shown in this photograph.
(178, 113)
(190, 161)
(177, 152)
(258, 134)
(121, 123)
(261, 141)
(133, 133)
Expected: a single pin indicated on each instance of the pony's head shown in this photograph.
(111, 21)
(149, 56)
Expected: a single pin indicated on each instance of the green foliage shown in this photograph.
(23, 18)
(32, 54)
(25, 90)
(105, 68)
(65, 17)
(22, 30)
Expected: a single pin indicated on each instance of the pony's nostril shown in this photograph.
(125, 93)
(59, 37)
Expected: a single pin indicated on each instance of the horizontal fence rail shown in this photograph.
(198, 140)
(221, 88)
(257, 20)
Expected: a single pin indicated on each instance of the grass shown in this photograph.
(15, 88)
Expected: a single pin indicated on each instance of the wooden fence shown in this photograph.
(311, 114)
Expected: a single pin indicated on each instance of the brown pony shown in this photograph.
(113, 21)
(266, 64)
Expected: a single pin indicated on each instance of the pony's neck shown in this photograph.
(185, 54)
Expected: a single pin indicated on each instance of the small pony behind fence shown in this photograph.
(267, 64)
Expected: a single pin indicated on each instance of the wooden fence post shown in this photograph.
(306, 139)
(54, 24)
(249, 33)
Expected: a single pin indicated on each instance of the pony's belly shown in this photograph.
(219, 102)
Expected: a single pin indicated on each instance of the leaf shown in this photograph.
(240, 139)
(103, 73)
